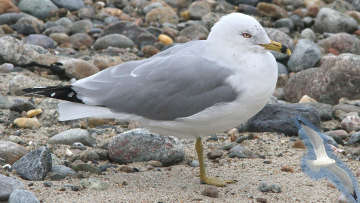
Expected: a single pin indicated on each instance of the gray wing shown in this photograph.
(164, 87)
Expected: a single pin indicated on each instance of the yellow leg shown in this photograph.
(203, 178)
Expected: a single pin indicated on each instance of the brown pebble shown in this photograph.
(165, 39)
(127, 169)
(211, 191)
(331, 185)
(149, 50)
(287, 169)
(299, 144)
(33, 113)
(214, 154)
(155, 163)
(261, 200)
(27, 122)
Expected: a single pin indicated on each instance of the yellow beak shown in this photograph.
(277, 46)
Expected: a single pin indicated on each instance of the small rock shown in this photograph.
(198, 9)
(329, 20)
(59, 172)
(194, 163)
(4, 102)
(7, 6)
(194, 32)
(27, 123)
(40, 40)
(214, 154)
(128, 169)
(305, 55)
(72, 5)
(81, 41)
(241, 152)
(29, 25)
(78, 68)
(149, 50)
(113, 40)
(287, 169)
(155, 163)
(210, 191)
(151, 6)
(22, 196)
(48, 184)
(141, 145)
(81, 166)
(162, 15)
(38, 8)
(81, 26)
(307, 99)
(285, 22)
(33, 113)
(34, 165)
(11, 152)
(261, 200)
(71, 136)
(94, 184)
(271, 10)
(299, 144)
(341, 43)
(89, 155)
(8, 185)
(264, 187)
(166, 40)
(351, 122)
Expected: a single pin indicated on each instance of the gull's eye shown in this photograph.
(246, 35)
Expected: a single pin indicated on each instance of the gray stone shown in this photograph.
(40, 40)
(198, 9)
(79, 165)
(282, 69)
(264, 187)
(305, 55)
(309, 34)
(325, 110)
(329, 20)
(29, 25)
(34, 165)
(210, 19)
(11, 152)
(113, 40)
(81, 41)
(7, 186)
(195, 32)
(354, 138)
(141, 145)
(22, 196)
(151, 6)
(59, 172)
(71, 136)
(38, 8)
(162, 15)
(77, 68)
(81, 26)
(4, 102)
(356, 4)
(308, 21)
(241, 152)
(351, 122)
(336, 78)
(72, 5)
(10, 18)
(342, 43)
(94, 184)
(285, 22)
(280, 118)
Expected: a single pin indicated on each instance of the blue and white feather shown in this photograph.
(320, 162)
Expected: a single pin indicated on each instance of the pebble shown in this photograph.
(305, 55)
(8, 185)
(72, 5)
(94, 184)
(194, 163)
(341, 43)
(22, 196)
(142, 145)
(59, 172)
(308, 33)
(329, 20)
(71, 136)
(40, 40)
(81, 26)
(287, 169)
(11, 152)
(113, 40)
(285, 22)
(265, 187)
(33, 112)
(34, 165)
(128, 169)
(151, 6)
(27, 123)
(165, 39)
(351, 122)
(77, 68)
(280, 118)
(210, 191)
(240, 151)
(4, 102)
(299, 144)
(261, 200)
(271, 10)
(38, 8)
(81, 166)
(80, 41)
(28, 25)
(198, 9)
(194, 32)
(162, 15)
(214, 154)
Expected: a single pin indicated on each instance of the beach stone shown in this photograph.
(142, 145)
(77, 68)
(355, 3)
(271, 10)
(137, 34)
(27, 123)
(151, 6)
(265, 187)
(94, 184)
(79, 165)
(280, 118)
(20, 105)
(308, 33)
(214, 154)
(195, 32)
(81, 41)
(22, 196)
(40, 40)
(285, 22)
(59, 172)
(81, 26)
(162, 15)
(351, 122)
(305, 55)
(241, 152)
(338, 135)
(55, 29)
(210, 191)
(329, 20)
(7, 6)
(34, 165)
(71, 136)
(113, 40)
(198, 9)
(10, 18)
(4, 102)
(336, 78)
(354, 138)
(280, 36)
(7, 186)
(342, 43)
(247, 9)
(11, 152)
(325, 110)
(39, 8)
(247, 2)
(28, 25)
(72, 5)
(60, 38)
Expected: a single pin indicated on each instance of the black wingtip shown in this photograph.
(58, 92)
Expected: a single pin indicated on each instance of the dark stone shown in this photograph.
(241, 152)
(40, 40)
(72, 5)
(59, 172)
(7, 186)
(10, 18)
(280, 118)
(22, 196)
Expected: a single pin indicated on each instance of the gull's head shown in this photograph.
(245, 31)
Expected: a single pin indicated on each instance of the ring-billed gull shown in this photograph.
(193, 89)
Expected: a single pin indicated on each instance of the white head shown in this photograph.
(239, 28)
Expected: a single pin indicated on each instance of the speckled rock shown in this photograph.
(198, 9)
(38, 8)
(72, 5)
(71, 136)
(59, 172)
(241, 152)
(34, 165)
(341, 43)
(271, 10)
(305, 55)
(81, 41)
(113, 40)
(7, 186)
(162, 15)
(264, 187)
(40, 40)
(280, 118)
(81, 26)
(10, 18)
(60, 38)
(351, 122)
(195, 32)
(309, 34)
(329, 20)
(336, 78)
(22, 196)
(78, 68)
(11, 152)
(142, 145)
(29, 25)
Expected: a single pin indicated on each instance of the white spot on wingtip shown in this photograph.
(53, 94)
(71, 94)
